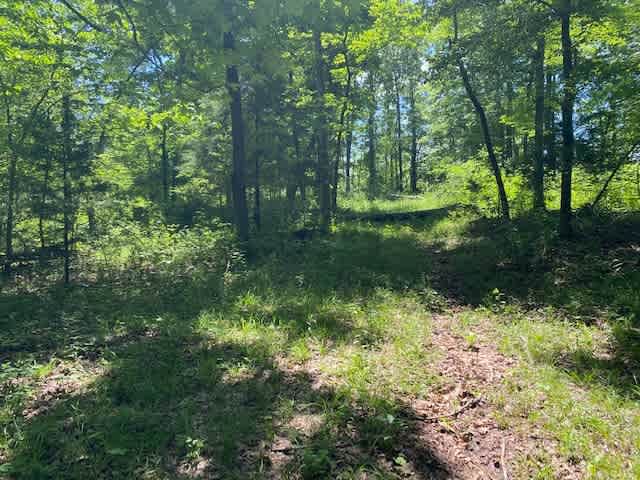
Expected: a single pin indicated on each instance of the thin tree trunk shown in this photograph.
(175, 168)
(396, 82)
(238, 176)
(371, 155)
(510, 148)
(390, 176)
(538, 166)
(347, 161)
(502, 194)
(66, 158)
(324, 193)
(292, 174)
(414, 139)
(43, 200)
(292, 171)
(164, 167)
(257, 157)
(615, 171)
(343, 115)
(550, 134)
(568, 138)
(11, 191)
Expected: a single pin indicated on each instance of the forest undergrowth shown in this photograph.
(444, 346)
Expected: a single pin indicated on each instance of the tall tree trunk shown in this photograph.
(323, 168)
(502, 194)
(292, 171)
(335, 175)
(396, 82)
(371, 132)
(293, 177)
(343, 115)
(66, 179)
(175, 168)
(538, 165)
(550, 127)
(164, 167)
(238, 176)
(568, 138)
(390, 175)
(43, 199)
(414, 139)
(509, 151)
(347, 159)
(257, 157)
(11, 190)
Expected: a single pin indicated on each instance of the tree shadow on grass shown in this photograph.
(175, 402)
(180, 404)
(83, 320)
(521, 265)
(611, 371)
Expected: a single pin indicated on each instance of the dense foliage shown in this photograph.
(309, 239)
(269, 114)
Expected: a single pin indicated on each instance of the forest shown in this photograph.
(320, 239)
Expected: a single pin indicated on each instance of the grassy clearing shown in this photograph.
(300, 362)
(406, 203)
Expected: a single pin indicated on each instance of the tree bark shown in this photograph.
(414, 139)
(66, 159)
(502, 194)
(343, 115)
(238, 176)
(323, 167)
(164, 167)
(550, 127)
(347, 160)
(371, 155)
(43, 199)
(538, 166)
(396, 82)
(568, 138)
(11, 190)
(292, 171)
(257, 219)
(484, 124)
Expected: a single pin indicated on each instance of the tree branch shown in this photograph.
(78, 14)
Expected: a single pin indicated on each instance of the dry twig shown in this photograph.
(470, 404)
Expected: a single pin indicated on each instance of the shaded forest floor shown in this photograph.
(430, 346)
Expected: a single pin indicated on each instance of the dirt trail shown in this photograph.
(469, 439)
(454, 433)
(458, 423)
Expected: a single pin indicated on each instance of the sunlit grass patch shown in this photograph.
(572, 386)
(401, 365)
(400, 203)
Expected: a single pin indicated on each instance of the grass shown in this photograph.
(184, 358)
(407, 203)
(569, 386)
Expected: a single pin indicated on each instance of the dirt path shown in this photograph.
(454, 433)
(458, 423)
